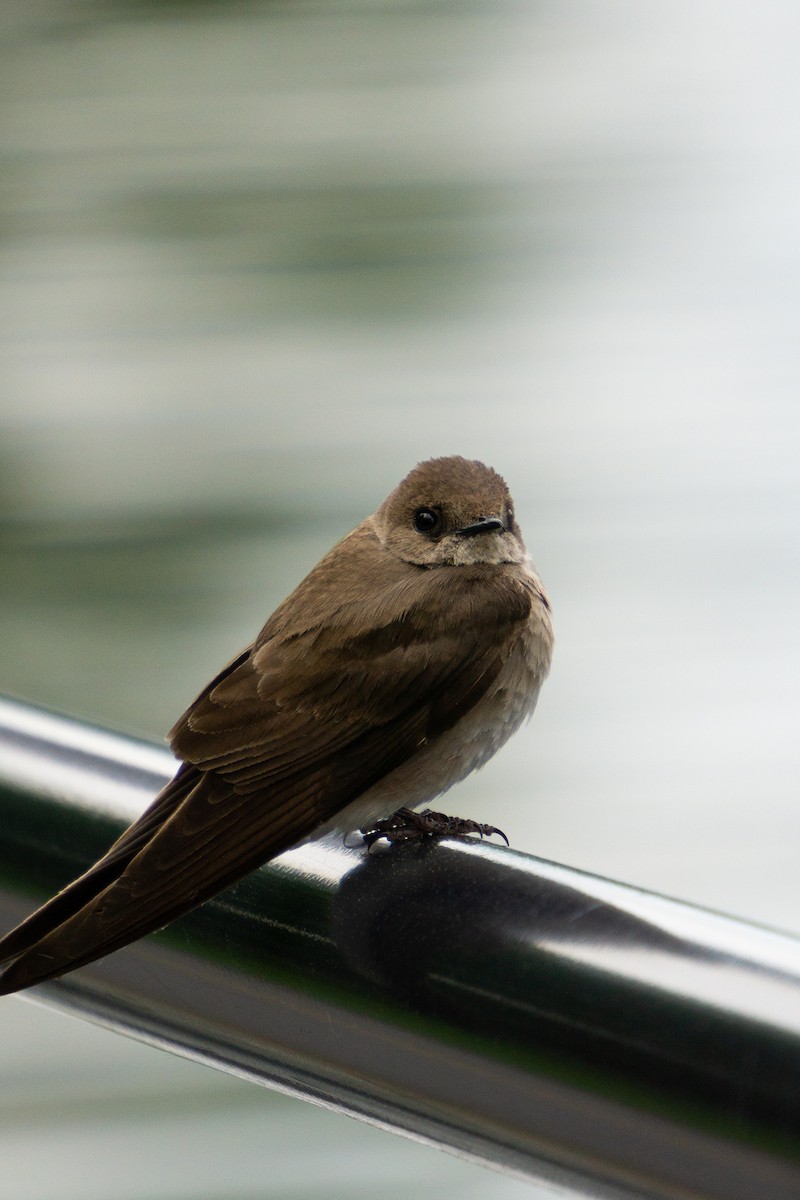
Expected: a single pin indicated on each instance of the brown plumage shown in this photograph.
(400, 663)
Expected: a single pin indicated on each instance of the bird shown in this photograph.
(402, 662)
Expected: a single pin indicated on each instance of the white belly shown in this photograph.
(468, 744)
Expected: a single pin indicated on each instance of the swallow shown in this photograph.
(402, 662)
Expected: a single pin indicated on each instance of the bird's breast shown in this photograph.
(465, 747)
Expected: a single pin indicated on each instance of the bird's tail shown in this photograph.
(28, 941)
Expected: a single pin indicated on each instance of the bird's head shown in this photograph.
(451, 512)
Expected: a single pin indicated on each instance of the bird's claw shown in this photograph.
(406, 825)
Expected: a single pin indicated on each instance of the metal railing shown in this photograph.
(518, 1012)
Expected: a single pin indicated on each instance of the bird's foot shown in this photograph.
(406, 826)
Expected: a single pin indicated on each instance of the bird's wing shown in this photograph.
(285, 738)
(108, 868)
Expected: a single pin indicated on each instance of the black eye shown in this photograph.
(427, 520)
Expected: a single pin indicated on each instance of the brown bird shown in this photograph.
(402, 662)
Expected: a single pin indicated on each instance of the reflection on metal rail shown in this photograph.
(514, 1011)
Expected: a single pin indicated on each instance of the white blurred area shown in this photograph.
(259, 259)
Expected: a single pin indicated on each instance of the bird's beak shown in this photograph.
(482, 525)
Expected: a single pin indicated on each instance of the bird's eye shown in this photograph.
(427, 520)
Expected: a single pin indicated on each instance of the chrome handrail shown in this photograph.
(523, 1014)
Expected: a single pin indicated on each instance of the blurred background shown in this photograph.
(258, 259)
